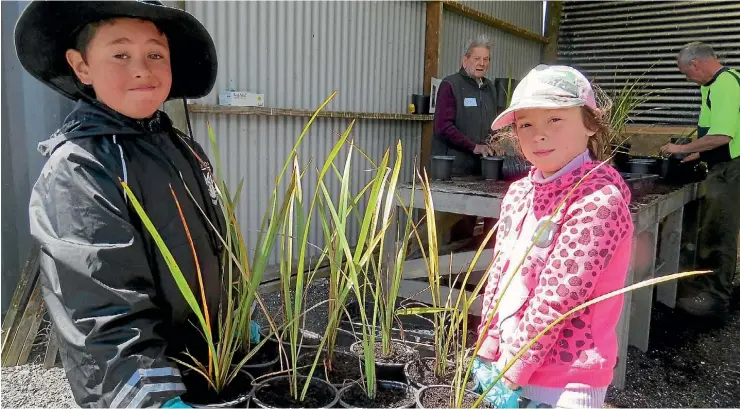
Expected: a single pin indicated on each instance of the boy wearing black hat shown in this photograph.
(118, 312)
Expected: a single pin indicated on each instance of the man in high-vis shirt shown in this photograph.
(718, 144)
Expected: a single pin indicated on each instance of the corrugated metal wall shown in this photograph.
(297, 53)
(30, 113)
(511, 54)
(615, 42)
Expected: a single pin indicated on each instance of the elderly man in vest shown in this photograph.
(718, 144)
(465, 109)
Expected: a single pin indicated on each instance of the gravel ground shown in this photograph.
(688, 365)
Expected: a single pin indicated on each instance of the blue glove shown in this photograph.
(254, 332)
(500, 395)
(176, 403)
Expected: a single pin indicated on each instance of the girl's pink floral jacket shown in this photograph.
(584, 253)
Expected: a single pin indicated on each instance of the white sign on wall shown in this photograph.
(433, 94)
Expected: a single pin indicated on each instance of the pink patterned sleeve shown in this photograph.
(591, 231)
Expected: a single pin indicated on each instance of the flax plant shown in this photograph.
(242, 277)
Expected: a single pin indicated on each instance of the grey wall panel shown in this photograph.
(510, 53)
(297, 53)
(255, 149)
(31, 112)
(525, 14)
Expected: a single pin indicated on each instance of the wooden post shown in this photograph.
(552, 30)
(623, 327)
(670, 254)
(642, 299)
(19, 342)
(20, 300)
(431, 69)
(52, 349)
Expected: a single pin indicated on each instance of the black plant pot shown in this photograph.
(663, 167)
(442, 167)
(621, 155)
(641, 166)
(468, 400)
(423, 361)
(389, 371)
(200, 394)
(264, 361)
(346, 395)
(492, 167)
(310, 340)
(273, 392)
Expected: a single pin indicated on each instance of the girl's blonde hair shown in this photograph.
(597, 121)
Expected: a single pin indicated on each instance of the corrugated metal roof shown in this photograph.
(616, 42)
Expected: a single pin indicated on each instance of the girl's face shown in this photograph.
(550, 138)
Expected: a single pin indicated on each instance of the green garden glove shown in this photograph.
(500, 395)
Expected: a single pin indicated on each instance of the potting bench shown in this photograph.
(660, 215)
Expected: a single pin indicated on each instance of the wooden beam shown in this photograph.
(306, 113)
(432, 45)
(21, 296)
(494, 22)
(659, 130)
(17, 350)
(552, 30)
(52, 349)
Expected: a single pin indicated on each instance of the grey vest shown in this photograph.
(474, 121)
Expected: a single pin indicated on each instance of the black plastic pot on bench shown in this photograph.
(492, 167)
(442, 167)
(353, 396)
(274, 392)
(200, 394)
(425, 397)
(641, 166)
(390, 371)
(621, 155)
(265, 360)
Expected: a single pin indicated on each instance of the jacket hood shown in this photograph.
(93, 118)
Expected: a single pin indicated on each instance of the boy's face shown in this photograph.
(128, 65)
(550, 138)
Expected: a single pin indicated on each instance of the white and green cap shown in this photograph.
(548, 87)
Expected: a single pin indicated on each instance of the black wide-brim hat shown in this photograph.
(47, 29)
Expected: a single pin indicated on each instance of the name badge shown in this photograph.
(470, 102)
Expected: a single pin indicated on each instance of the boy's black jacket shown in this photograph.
(118, 312)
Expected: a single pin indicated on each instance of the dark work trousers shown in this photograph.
(718, 234)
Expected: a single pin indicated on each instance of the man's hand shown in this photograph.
(694, 156)
(672, 148)
(483, 150)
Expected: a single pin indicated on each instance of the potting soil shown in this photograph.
(440, 398)
(422, 372)
(276, 394)
(400, 354)
(345, 368)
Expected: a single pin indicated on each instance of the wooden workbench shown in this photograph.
(659, 220)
